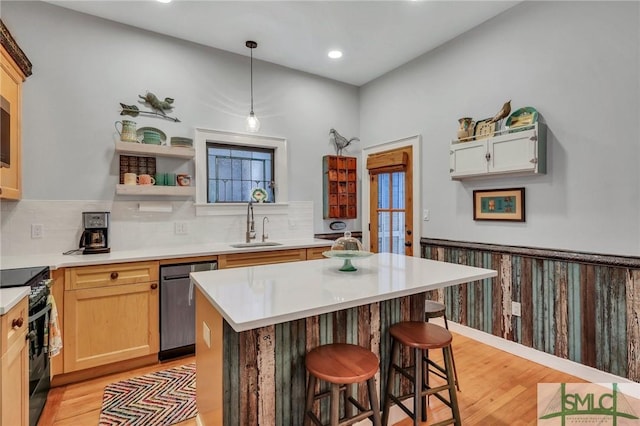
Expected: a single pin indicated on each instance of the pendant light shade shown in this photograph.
(253, 124)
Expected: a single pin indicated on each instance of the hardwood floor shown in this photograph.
(79, 404)
(497, 389)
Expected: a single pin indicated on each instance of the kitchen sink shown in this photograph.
(256, 244)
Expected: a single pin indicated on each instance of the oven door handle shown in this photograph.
(42, 312)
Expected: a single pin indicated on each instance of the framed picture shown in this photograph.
(499, 204)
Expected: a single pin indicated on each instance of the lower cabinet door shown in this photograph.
(108, 324)
(14, 401)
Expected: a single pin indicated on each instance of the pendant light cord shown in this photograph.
(251, 50)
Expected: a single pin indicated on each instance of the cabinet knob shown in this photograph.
(114, 275)
(154, 286)
(407, 244)
(17, 323)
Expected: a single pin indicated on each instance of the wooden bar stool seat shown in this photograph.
(342, 364)
(421, 337)
(436, 310)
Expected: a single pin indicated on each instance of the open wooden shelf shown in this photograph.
(181, 191)
(157, 150)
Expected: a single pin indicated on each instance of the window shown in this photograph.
(235, 171)
(229, 165)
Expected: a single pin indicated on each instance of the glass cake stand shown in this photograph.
(347, 255)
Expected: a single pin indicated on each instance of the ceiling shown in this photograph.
(375, 36)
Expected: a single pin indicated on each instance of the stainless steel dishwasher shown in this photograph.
(178, 309)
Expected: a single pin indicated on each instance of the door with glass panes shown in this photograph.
(391, 204)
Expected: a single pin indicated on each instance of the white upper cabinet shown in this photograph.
(521, 152)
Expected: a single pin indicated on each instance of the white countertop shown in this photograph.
(258, 296)
(58, 260)
(9, 297)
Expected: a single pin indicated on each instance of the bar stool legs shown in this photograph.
(434, 309)
(421, 337)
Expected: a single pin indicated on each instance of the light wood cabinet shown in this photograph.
(14, 366)
(11, 79)
(110, 314)
(236, 260)
(519, 153)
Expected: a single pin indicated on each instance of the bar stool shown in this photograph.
(342, 364)
(435, 310)
(421, 337)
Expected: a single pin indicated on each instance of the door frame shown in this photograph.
(414, 142)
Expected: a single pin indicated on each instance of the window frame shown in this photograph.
(280, 158)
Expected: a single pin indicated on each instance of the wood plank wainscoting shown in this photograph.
(578, 306)
(269, 361)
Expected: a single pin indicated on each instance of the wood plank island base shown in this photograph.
(254, 326)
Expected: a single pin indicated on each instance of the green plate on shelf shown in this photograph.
(521, 119)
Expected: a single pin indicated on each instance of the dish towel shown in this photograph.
(55, 338)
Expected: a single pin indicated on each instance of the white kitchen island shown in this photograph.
(254, 325)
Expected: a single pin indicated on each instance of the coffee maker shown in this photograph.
(95, 237)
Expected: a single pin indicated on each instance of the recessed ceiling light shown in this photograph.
(334, 54)
(164, 1)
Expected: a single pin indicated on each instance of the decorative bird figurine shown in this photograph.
(340, 141)
(504, 112)
(156, 103)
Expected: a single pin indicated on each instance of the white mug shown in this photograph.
(130, 179)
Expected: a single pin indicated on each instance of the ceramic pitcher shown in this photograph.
(128, 132)
(465, 129)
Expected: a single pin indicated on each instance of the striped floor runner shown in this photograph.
(162, 398)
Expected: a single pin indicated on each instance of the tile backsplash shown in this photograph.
(131, 228)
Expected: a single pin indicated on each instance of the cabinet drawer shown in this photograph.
(13, 325)
(113, 274)
(316, 252)
(237, 260)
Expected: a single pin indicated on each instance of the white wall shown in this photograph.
(83, 67)
(577, 63)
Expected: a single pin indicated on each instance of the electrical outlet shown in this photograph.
(181, 228)
(426, 215)
(516, 309)
(37, 231)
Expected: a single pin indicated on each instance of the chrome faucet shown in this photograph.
(264, 235)
(251, 231)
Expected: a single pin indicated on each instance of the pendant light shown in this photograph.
(253, 124)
